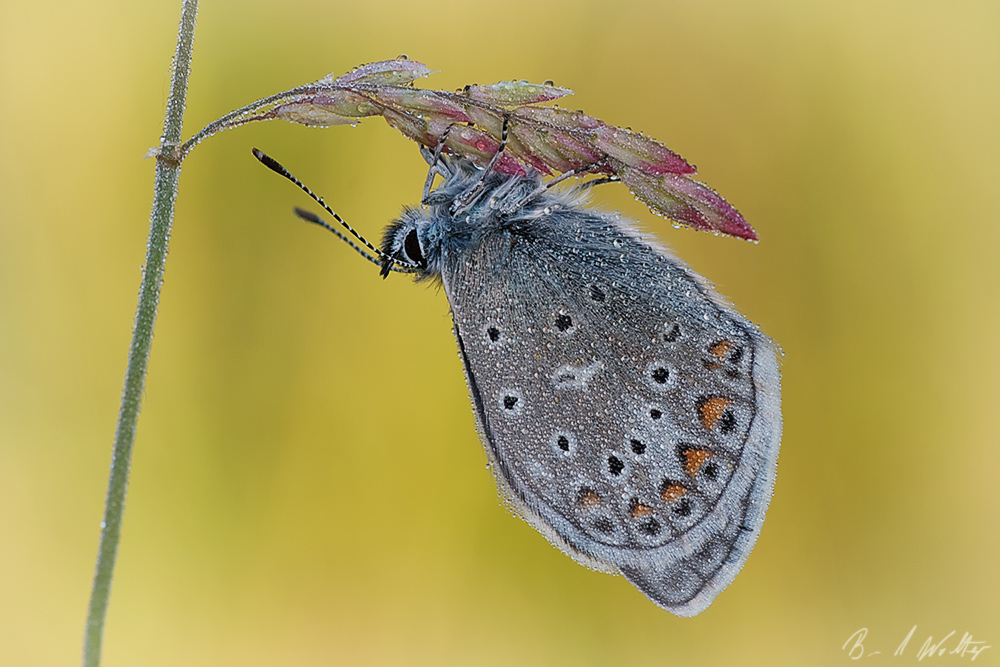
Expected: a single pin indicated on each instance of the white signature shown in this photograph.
(947, 645)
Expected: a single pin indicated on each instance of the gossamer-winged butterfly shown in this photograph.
(629, 413)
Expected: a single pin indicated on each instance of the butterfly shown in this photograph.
(629, 413)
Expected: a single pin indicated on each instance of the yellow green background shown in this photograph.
(307, 486)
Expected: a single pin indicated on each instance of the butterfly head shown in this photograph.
(409, 241)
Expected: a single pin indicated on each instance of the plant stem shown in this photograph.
(168, 168)
(241, 116)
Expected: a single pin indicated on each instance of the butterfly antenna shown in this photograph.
(383, 259)
(309, 216)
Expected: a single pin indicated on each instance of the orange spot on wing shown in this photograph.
(673, 493)
(589, 499)
(638, 510)
(694, 459)
(712, 410)
(721, 349)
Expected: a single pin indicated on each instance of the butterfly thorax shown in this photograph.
(468, 207)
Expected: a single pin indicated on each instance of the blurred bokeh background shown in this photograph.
(307, 485)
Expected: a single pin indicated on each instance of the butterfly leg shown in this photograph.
(474, 191)
(545, 187)
(437, 164)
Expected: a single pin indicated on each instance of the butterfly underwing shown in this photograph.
(629, 413)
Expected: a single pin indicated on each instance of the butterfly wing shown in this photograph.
(629, 413)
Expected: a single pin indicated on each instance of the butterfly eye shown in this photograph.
(411, 246)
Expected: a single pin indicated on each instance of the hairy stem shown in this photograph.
(168, 168)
